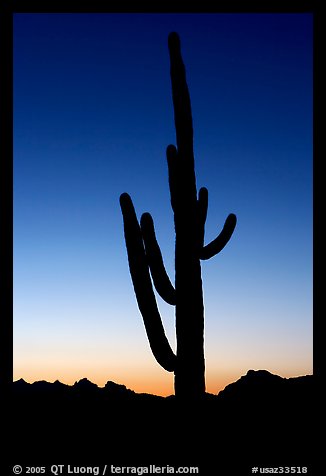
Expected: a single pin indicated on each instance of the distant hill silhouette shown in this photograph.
(254, 388)
(262, 386)
(82, 389)
(256, 417)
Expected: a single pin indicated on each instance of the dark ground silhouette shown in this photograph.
(260, 419)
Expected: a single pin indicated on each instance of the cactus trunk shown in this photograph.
(145, 258)
(190, 364)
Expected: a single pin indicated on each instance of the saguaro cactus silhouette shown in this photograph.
(145, 258)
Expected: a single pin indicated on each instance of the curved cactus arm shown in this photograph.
(143, 286)
(160, 277)
(202, 204)
(221, 240)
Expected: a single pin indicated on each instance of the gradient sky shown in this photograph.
(92, 118)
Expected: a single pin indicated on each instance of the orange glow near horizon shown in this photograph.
(133, 365)
(157, 382)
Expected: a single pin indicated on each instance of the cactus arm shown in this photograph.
(143, 286)
(202, 204)
(221, 240)
(155, 261)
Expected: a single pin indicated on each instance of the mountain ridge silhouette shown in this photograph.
(255, 383)
(256, 416)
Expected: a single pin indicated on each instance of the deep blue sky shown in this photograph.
(92, 118)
